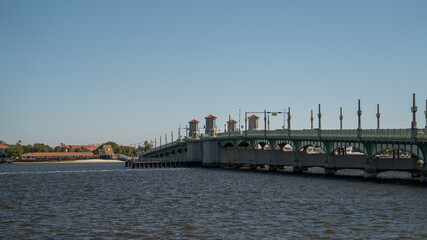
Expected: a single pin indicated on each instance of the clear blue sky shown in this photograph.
(82, 72)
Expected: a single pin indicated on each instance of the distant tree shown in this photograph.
(147, 146)
(41, 147)
(15, 151)
(83, 149)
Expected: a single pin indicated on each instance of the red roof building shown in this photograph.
(45, 156)
(3, 148)
(88, 147)
(253, 116)
(194, 121)
(210, 116)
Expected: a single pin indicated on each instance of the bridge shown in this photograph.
(371, 150)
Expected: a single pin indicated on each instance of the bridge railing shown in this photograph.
(422, 134)
(168, 145)
(387, 133)
(398, 134)
(330, 133)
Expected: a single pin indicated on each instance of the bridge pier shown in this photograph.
(329, 169)
(370, 170)
(329, 166)
(297, 166)
(423, 170)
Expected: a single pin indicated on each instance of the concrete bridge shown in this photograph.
(370, 150)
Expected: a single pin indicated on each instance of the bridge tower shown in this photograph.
(253, 122)
(232, 125)
(194, 129)
(210, 129)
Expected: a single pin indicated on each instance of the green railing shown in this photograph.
(398, 134)
(329, 133)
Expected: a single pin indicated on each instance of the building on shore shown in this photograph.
(3, 149)
(46, 156)
(107, 152)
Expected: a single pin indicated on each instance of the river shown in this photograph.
(109, 201)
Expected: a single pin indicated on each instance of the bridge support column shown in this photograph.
(370, 170)
(329, 168)
(297, 163)
(423, 169)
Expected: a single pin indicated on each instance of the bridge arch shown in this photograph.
(261, 142)
(357, 145)
(410, 148)
(306, 143)
(281, 144)
(243, 144)
(337, 148)
(228, 145)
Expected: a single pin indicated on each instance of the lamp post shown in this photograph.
(359, 121)
(425, 112)
(311, 119)
(414, 109)
(319, 115)
(341, 117)
(378, 116)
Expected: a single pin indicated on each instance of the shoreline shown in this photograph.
(73, 161)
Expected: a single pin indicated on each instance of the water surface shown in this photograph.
(108, 201)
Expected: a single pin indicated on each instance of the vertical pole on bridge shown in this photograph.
(378, 117)
(425, 112)
(160, 140)
(414, 109)
(246, 124)
(166, 138)
(171, 136)
(311, 119)
(229, 123)
(359, 121)
(268, 122)
(289, 118)
(319, 115)
(265, 122)
(341, 117)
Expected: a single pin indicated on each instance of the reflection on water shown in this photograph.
(108, 200)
